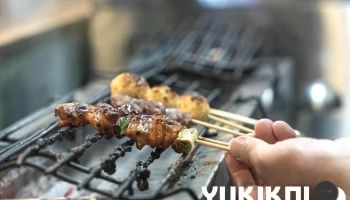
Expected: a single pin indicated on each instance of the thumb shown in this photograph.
(249, 150)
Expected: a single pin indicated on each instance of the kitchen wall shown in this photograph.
(43, 54)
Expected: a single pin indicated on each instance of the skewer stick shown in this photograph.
(219, 128)
(209, 144)
(213, 141)
(234, 125)
(239, 118)
(228, 115)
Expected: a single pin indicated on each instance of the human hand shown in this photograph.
(275, 157)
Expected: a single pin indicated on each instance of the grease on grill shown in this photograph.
(65, 132)
(142, 173)
(108, 163)
(75, 152)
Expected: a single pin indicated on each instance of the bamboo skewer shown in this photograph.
(239, 118)
(213, 145)
(219, 128)
(213, 141)
(234, 125)
(228, 115)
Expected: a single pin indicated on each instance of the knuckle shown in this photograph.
(249, 154)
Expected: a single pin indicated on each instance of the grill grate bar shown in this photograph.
(214, 94)
(21, 145)
(229, 48)
(175, 37)
(192, 87)
(108, 162)
(172, 79)
(74, 152)
(79, 167)
(67, 132)
(140, 174)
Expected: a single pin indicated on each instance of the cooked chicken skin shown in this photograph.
(153, 130)
(151, 107)
(139, 105)
(101, 117)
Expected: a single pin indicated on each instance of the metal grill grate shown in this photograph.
(207, 46)
(36, 145)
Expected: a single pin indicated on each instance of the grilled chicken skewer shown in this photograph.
(137, 87)
(163, 100)
(149, 107)
(153, 130)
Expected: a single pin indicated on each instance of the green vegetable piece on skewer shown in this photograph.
(123, 123)
(185, 140)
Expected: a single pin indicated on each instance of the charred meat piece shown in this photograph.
(176, 114)
(101, 117)
(120, 99)
(139, 105)
(73, 114)
(153, 130)
(152, 107)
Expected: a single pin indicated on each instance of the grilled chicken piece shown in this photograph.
(176, 114)
(101, 117)
(73, 114)
(153, 130)
(139, 105)
(151, 107)
(120, 99)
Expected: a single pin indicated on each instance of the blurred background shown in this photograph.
(49, 48)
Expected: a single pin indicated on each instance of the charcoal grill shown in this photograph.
(217, 60)
(75, 155)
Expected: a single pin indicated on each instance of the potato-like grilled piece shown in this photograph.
(165, 95)
(101, 117)
(196, 105)
(130, 84)
(153, 130)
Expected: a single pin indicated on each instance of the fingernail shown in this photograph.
(236, 146)
(251, 134)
